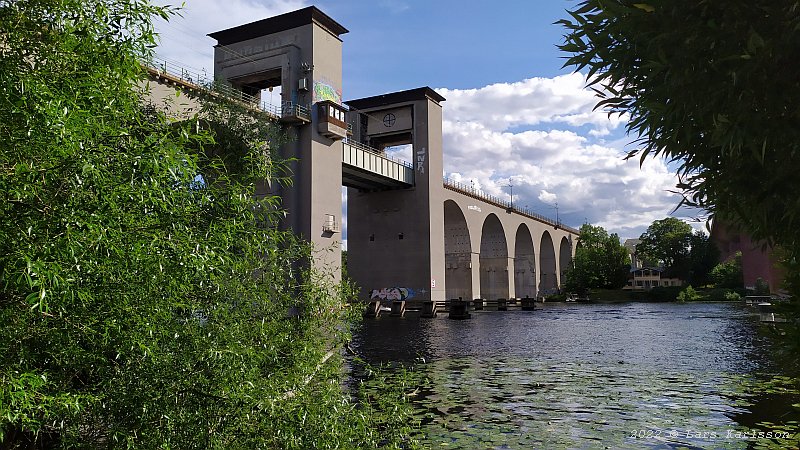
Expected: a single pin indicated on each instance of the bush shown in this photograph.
(732, 296)
(688, 295)
(761, 287)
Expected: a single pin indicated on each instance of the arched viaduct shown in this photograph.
(491, 253)
(411, 235)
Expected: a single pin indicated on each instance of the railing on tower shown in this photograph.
(200, 80)
(497, 201)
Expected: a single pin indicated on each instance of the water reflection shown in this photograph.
(585, 376)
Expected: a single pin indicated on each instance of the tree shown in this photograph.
(600, 261)
(703, 257)
(145, 300)
(667, 243)
(686, 254)
(709, 86)
(728, 274)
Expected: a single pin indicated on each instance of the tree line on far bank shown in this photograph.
(669, 245)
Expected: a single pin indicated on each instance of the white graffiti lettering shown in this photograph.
(421, 160)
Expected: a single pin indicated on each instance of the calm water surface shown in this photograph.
(637, 375)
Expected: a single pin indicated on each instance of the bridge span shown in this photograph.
(410, 234)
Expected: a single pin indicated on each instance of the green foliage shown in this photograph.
(688, 295)
(145, 299)
(708, 86)
(600, 261)
(732, 296)
(728, 274)
(703, 256)
(684, 254)
(666, 243)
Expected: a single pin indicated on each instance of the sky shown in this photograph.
(512, 116)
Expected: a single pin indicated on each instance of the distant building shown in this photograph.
(630, 245)
(758, 260)
(646, 278)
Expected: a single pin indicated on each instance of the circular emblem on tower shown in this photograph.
(388, 120)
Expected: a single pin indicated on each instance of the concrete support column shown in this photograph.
(475, 272)
(510, 278)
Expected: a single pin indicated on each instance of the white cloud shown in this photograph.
(542, 136)
(184, 40)
(533, 101)
(547, 197)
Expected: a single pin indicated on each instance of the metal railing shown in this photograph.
(371, 160)
(476, 193)
(201, 80)
(380, 153)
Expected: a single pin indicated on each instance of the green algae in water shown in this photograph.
(521, 403)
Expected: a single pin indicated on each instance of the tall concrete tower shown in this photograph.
(395, 238)
(300, 52)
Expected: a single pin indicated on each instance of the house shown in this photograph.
(646, 278)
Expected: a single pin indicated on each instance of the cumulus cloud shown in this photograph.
(542, 137)
(533, 101)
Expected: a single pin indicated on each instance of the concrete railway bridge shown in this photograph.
(411, 234)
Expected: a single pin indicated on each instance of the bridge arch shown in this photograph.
(564, 256)
(494, 259)
(548, 277)
(457, 253)
(524, 263)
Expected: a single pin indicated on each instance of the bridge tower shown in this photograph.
(395, 238)
(300, 52)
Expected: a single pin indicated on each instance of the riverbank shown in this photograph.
(660, 294)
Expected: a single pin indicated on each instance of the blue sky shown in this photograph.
(513, 115)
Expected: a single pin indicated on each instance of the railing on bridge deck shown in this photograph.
(200, 81)
(391, 172)
(496, 201)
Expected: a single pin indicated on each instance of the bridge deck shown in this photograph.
(365, 168)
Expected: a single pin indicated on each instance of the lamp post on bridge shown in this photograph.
(558, 219)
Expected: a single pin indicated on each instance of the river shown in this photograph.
(631, 375)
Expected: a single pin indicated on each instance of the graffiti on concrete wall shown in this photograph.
(391, 294)
(326, 91)
(421, 160)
